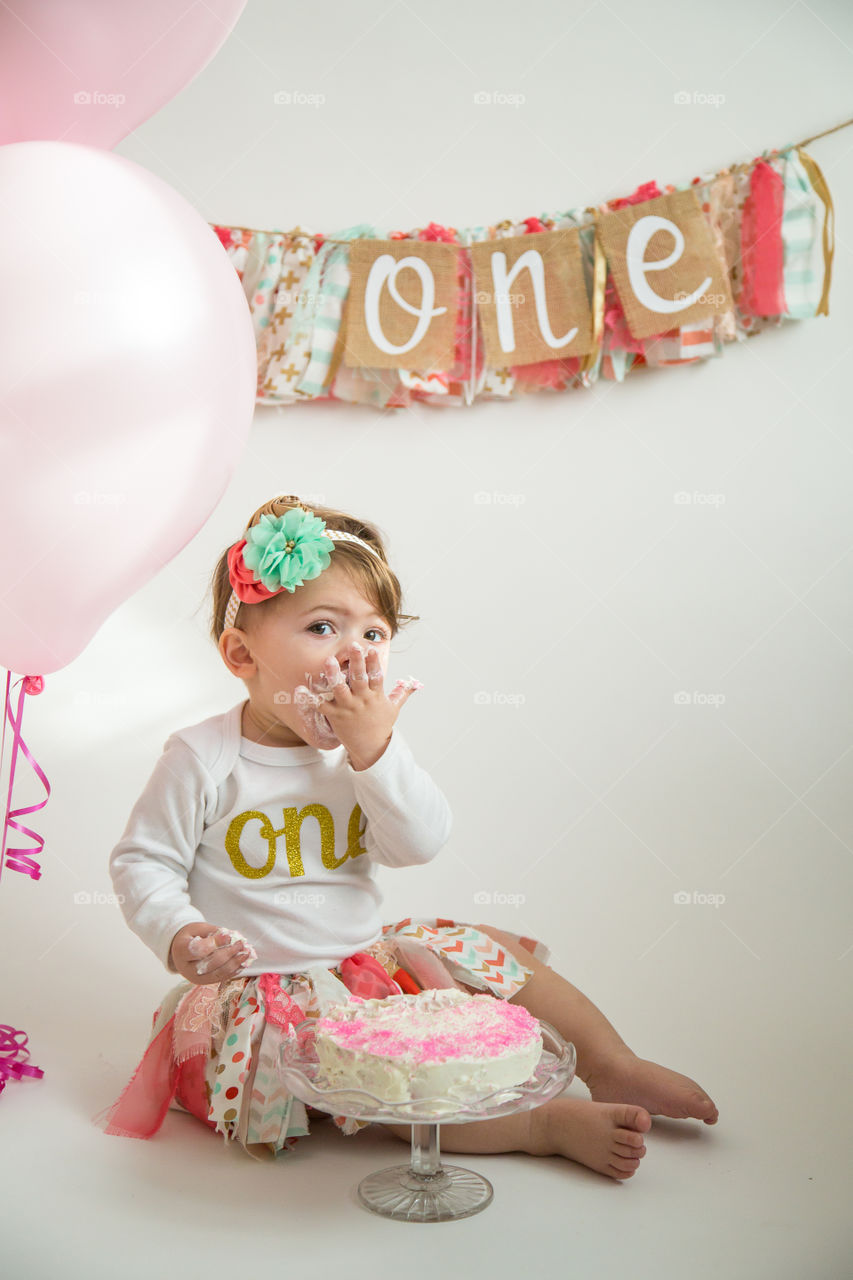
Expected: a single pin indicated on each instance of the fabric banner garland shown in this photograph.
(446, 317)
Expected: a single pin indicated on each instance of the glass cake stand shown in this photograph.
(425, 1190)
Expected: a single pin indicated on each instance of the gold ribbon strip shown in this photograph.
(338, 352)
(819, 183)
(599, 278)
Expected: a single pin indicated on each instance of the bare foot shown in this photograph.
(626, 1078)
(606, 1137)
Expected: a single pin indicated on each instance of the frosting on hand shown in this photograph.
(202, 948)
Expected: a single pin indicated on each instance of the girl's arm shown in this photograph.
(151, 862)
(408, 817)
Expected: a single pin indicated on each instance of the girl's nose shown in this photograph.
(343, 656)
(343, 661)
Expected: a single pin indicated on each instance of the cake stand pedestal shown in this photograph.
(425, 1190)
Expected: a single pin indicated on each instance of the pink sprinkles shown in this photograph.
(481, 1031)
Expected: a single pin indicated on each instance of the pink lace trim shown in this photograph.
(278, 1006)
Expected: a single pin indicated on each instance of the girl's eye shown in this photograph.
(371, 631)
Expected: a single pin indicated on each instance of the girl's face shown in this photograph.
(290, 639)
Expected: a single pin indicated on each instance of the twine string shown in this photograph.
(298, 234)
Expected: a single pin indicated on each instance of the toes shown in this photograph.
(630, 1138)
(615, 1172)
(624, 1162)
(636, 1118)
(627, 1149)
(703, 1108)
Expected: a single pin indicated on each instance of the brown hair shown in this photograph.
(374, 578)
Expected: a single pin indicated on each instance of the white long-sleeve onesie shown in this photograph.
(278, 843)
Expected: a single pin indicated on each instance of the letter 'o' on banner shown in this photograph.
(532, 297)
(665, 267)
(401, 307)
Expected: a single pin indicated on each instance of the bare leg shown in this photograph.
(606, 1137)
(610, 1070)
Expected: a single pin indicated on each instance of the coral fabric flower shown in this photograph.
(242, 579)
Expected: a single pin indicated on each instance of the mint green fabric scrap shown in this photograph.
(319, 308)
(801, 237)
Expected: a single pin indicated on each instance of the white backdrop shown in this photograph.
(627, 697)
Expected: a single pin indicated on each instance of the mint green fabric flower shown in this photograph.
(285, 551)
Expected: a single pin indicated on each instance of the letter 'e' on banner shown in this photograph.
(532, 298)
(401, 307)
(665, 267)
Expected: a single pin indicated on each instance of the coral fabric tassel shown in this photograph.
(407, 982)
(762, 248)
(365, 977)
(142, 1107)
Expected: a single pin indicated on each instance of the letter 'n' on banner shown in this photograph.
(401, 307)
(532, 297)
(665, 267)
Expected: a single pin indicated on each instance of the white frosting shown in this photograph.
(202, 947)
(442, 1043)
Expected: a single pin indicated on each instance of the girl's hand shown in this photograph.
(208, 946)
(314, 726)
(356, 711)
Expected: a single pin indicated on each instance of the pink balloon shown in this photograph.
(128, 373)
(90, 71)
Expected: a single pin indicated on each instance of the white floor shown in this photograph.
(763, 1194)
(753, 1001)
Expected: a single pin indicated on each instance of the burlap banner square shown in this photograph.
(532, 297)
(672, 228)
(401, 308)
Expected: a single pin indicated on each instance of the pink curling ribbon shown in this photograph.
(19, 858)
(9, 1051)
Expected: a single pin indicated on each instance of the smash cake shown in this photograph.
(439, 1043)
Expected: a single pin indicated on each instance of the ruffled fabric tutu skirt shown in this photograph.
(214, 1050)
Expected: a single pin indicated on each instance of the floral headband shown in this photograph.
(278, 554)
